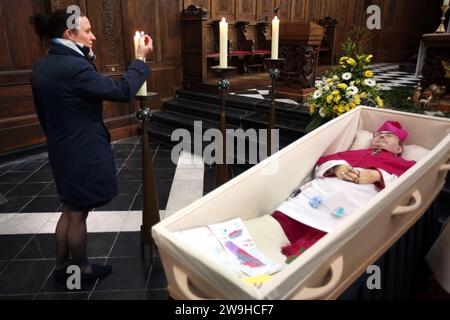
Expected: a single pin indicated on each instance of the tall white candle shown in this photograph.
(139, 39)
(275, 37)
(223, 43)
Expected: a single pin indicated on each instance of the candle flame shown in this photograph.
(224, 20)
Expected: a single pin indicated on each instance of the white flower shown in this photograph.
(335, 78)
(319, 84)
(317, 94)
(326, 88)
(323, 112)
(347, 76)
(370, 82)
(352, 90)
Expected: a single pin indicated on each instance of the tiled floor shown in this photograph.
(29, 186)
(27, 260)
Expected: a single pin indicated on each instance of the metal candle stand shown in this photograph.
(222, 175)
(274, 71)
(150, 214)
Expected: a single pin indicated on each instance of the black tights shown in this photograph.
(71, 237)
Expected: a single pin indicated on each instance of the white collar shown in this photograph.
(73, 45)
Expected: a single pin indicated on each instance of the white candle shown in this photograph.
(275, 37)
(223, 43)
(446, 2)
(139, 39)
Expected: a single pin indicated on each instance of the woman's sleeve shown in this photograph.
(87, 82)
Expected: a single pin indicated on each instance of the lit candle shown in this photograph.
(275, 37)
(446, 2)
(223, 43)
(140, 40)
(137, 37)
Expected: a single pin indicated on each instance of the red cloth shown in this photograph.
(368, 160)
(301, 236)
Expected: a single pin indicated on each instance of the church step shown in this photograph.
(177, 120)
(205, 111)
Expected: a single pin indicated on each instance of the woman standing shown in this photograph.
(69, 94)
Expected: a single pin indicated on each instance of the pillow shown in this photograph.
(411, 152)
(414, 152)
(362, 140)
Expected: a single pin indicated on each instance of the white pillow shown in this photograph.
(414, 152)
(364, 138)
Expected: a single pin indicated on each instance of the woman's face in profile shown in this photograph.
(84, 35)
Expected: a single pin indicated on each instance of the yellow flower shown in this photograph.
(344, 58)
(351, 61)
(368, 74)
(379, 101)
(363, 95)
(336, 93)
(312, 110)
(369, 58)
(337, 99)
(342, 86)
(342, 108)
(352, 106)
(329, 99)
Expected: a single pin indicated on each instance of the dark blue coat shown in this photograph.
(69, 93)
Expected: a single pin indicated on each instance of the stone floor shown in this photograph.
(28, 221)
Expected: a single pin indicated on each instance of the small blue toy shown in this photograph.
(340, 212)
(315, 202)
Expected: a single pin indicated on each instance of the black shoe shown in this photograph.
(98, 272)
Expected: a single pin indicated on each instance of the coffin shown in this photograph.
(328, 268)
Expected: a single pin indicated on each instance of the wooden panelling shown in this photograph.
(223, 8)
(264, 9)
(245, 10)
(114, 23)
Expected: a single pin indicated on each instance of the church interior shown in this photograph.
(223, 65)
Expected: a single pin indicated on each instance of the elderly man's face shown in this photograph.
(387, 141)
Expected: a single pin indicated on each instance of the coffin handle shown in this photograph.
(182, 281)
(403, 210)
(336, 269)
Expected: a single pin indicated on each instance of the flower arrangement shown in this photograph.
(343, 89)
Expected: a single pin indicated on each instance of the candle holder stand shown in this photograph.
(441, 28)
(222, 174)
(274, 70)
(150, 213)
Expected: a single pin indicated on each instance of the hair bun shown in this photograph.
(41, 24)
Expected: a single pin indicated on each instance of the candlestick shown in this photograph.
(444, 8)
(150, 212)
(223, 43)
(222, 173)
(274, 71)
(275, 37)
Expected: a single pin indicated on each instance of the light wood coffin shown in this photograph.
(337, 260)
